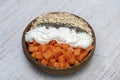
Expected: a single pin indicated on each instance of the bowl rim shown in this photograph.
(24, 45)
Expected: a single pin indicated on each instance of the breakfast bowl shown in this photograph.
(70, 42)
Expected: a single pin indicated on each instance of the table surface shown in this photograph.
(103, 15)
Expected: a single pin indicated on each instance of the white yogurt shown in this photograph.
(61, 35)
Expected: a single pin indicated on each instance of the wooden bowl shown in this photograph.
(55, 21)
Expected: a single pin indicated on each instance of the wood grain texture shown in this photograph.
(103, 15)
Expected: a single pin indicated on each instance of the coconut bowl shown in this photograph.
(58, 19)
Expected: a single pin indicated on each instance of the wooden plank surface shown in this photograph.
(103, 15)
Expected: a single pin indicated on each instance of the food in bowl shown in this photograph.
(58, 47)
(51, 43)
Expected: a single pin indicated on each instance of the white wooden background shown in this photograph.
(103, 15)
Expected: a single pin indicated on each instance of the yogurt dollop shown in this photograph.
(62, 35)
